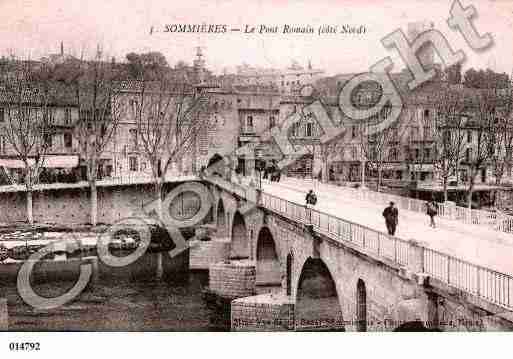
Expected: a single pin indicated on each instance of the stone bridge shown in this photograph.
(288, 268)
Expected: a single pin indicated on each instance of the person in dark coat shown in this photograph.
(431, 211)
(391, 215)
(311, 200)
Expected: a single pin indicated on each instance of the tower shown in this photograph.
(199, 65)
(62, 48)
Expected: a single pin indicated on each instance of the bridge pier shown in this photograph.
(233, 278)
(210, 246)
(264, 312)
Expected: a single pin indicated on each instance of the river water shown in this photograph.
(131, 301)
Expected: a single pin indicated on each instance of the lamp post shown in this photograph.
(363, 174)
(259, 167)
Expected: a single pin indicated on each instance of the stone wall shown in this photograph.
(233, 279)
(72, 205)
(265, 312)
(4, 315)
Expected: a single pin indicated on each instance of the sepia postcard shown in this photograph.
(261, 166)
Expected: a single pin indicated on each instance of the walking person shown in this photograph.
(431, 212)
(311, 200)
(391, 214)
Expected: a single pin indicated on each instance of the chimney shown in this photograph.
(62, 48)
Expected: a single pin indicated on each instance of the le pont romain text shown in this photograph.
(266, 29)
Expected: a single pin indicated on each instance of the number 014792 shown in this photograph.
(24, 346)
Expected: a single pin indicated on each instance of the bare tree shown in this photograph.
(502, 140)
(375, 149)
(482, 125)
(29, 94)
(165, 113)
(377, 145)
(96, 89)
(448, 136)
(418, 139)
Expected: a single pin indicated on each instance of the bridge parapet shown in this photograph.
(416, 259)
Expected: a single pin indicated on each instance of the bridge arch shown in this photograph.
(361, 306)
(317, 300)
(268, 271)
(240, 239)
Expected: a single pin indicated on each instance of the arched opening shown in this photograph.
(290, 261)
(413, 326)
(240, 240)
(317, 304)
(221, 219)
(268, 264)
(361, 306)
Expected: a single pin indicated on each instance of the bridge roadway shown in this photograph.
(473, 243)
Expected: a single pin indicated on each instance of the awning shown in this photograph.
(422, 168)
(51, 161)
(60, 161)
(12, 163)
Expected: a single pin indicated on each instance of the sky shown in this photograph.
(36, 28)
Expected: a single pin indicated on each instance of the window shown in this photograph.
(68, 140)
(469, 136)
(50, 116)
(134, 106)
(361, 306)
(2, 144)
(295, 129)
(427, 154)
(417, 153)
(353, 153)
(447, 136)
(132, 133)
(249, 122)
(290, 260)
(47, 138)
(385, 111)
(353, 132)
(67, 116)
(415, 133)
(132, 162)
(309, 126)
(426, 113)
(272, 122)
(2, 114)
(393, 154)
(468, 154)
